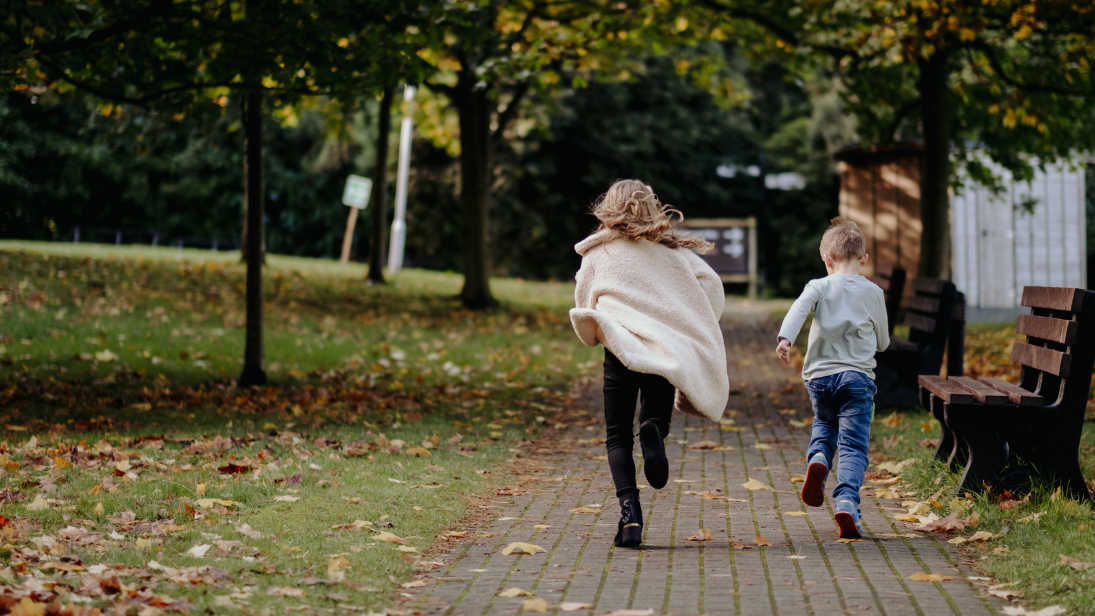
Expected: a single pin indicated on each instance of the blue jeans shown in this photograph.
(843, 409)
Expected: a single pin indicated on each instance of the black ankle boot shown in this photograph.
(630, 531)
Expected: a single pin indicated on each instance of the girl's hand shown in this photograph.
(783, 350)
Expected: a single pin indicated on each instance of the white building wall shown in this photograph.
(998, 248)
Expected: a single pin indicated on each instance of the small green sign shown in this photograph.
(357, 191)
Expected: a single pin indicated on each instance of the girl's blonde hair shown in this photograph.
(630, 209)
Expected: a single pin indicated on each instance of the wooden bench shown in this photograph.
(1002, 433)
(928, 315)
(891, 279)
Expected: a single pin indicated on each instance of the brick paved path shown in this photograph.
(804, 571)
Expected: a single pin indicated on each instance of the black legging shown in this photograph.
(622, 386)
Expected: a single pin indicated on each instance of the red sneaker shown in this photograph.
(813, 489)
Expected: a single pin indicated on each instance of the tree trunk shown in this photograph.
(254, 372)
(243, 232)
(475, 170)
(379, 215)
(935, 171)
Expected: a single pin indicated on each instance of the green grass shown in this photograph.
(1032, 559)
(110, 344)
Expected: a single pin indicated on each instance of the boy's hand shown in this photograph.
(783, 350)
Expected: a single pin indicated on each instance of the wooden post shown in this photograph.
(348, 239)
(752, 257)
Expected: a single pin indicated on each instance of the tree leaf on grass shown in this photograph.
(1018, 610)
(286, 498)
(1076, 563)
(386, 536)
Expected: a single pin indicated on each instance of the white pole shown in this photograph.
(399, 228)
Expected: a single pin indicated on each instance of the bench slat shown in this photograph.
(884, 269)
(945, 390)
(902, 345)
(933, 286)
(883, 283)
(1053, 298)
(920, 322)
(981, 392)
(923, 304)
(1041, 358)
(1016, 394)
(1047, 328)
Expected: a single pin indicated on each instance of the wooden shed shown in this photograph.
(997, 247)
(880, 192)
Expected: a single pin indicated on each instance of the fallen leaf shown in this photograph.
(206, 503)
(38, 504)
(285, 591)
(798, 424)
(981, 535)
(943, 525)
(1018, 610)
(513, 591)
(794, 513)
(700, 535)
(762, 542)
(646, 612)
(386, 536)
(246, 530)
(796, 557)
(285, 498)
(1000, 590)
(703, 445)
(418, 451)
(1032, 517)
(762, 445)
(519, 547)
(573, 606)
(753, 484)
(1076, 563)
(541, 526)
(535, 605)
(233, 469)
(336, 564)
(199, 551)
(920, 576)
(708, 495)
(846, 540)
(584, 509)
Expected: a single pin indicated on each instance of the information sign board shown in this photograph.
(357, 191)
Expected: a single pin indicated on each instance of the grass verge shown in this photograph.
(1023, 554)
(137, 477)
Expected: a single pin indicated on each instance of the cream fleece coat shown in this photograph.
(657, 309)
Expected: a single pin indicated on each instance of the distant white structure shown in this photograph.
(998, 248)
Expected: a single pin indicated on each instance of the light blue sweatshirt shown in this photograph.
(849, 325)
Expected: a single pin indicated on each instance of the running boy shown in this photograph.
(849, 328)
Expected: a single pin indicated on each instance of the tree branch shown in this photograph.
(506, 116)
(998, 67)
(126, 24)
(771, 25)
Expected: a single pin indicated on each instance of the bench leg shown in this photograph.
(988, 452)
(1052, 449)
(944, 451)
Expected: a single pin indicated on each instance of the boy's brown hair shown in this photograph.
(843, 241)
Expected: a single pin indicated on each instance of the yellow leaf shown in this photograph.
(584, 509)
(141, 406)
(200, 489)
(337, 563)
(99, 507)
(798, 424)
(753, 484)
(386, 536)
(406, 548)
(206, 503)
(520, 547)
(700, 535)
(965, 34)
(761, 541)
(920, 576)
(28, 607)
(418, 451)
(38, 504)
(762, 446)
(513, 591)
(982, 535)
(848, 540)
(794, 513)
(535, 605)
